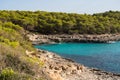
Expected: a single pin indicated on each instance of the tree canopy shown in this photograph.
(64, 23)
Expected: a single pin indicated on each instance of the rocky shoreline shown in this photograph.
(48, 39)
(58, 68)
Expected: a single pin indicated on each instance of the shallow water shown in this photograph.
(103, 56)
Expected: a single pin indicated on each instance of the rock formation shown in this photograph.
(58, 68)
(103, 38)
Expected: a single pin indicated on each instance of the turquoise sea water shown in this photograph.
(103, 56)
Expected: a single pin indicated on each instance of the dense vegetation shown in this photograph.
(14, 63)
(64, 23)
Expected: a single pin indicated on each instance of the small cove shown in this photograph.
(103, 56)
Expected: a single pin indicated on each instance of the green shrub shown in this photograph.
(14, 44)
(7, 41)
(1, 39)
(15, 62)
(9, 74)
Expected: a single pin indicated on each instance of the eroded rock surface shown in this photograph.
(58, 68)
(103, 38)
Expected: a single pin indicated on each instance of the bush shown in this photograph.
(15, 62)
(9, 74)
(14, 44)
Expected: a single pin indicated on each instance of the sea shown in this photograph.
(103, 56)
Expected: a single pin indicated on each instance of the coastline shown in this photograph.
(86, 38)
(59, 68)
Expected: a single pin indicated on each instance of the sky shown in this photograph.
(69, 6)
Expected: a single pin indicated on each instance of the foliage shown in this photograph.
(13, 60)
(13, 44)
(62, 23)
(34, 61)
(9, 74)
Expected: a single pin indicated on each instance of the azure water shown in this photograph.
(103, 56)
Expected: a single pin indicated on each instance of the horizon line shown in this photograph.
(58, 11)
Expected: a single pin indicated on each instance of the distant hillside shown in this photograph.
(64, 23)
